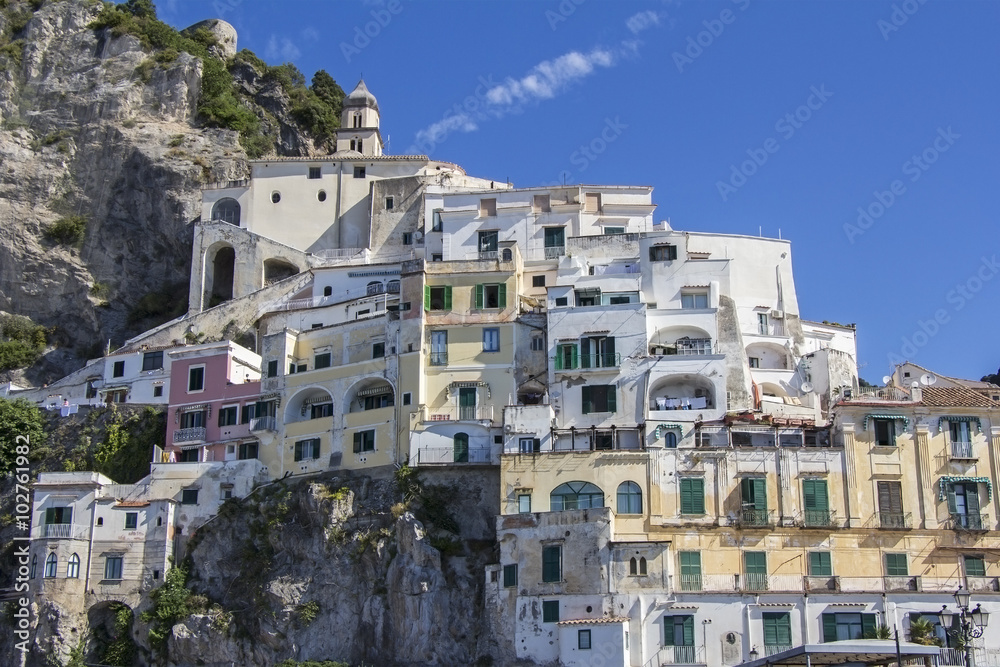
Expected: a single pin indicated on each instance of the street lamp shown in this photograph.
(971, 623)
(753, 654)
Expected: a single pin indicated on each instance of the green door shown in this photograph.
(753, 491)
(467, 403)
(777, 632)
(461, 447)
(755, 566)
(816, 501)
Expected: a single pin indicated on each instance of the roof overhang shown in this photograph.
(855, 652)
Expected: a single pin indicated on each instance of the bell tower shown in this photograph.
(359, 123)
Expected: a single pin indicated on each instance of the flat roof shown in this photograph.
(851, 652)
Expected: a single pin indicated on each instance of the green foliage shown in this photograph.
(171, 604)
(248, 57)
(21, 342)
(119, 650)
(18, 21)
(176, 140)
(67, 231)
(21, 422)
(993, 378)
(100, 290)
(160, 305)
(307, 612)
(922, 632)
(881, 632)
(126, 449)
(13, 51)
(144, 70)
(431, 503)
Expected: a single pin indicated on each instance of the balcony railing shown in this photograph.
(60, 530)
(690, 582)
(439, 358)
(877, 393)
(685, 347)
(755, 581)
(962, 450)
(195, 434)
(552, 252)
(971, 522)
(463, 413)
(773, 649)
(443, 455)
(488, 254)
(681, 655)
(902, 583)
(817, 519)
(585, 361)
(754, 518)
(263, 424)
(831, 583)
(894, 520)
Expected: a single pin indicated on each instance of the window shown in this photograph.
(487, 207)
(158, 390)
(189, 497)
(436, 220)
(378, 350)
(510, 575)
(541, 204)
(322, 360)
(491, 339)
(307, 449)
(488, 241)
(131, 520)
(670, 440)
(762, 324)
(275, 197)
(598, 398)
(407, 397)
(576, 496)
(895, 565)
(34, 566)
(611, 231)
(460, 447)
(963, 505)
(678, 631)
(315, 172)
(272, 368)
(321, 410)
(755, 568)
(754, 362)
(588, 297)
(562, 301)
(389, 203)
(439, 348)
(538, 281)
(694, 300)
(598, 352)
(196, 378)
(885, 432)
(364, 441)
(662, 253)
(51, 566)
(73, 567)
(529, 445)
(118, 369)
(637, 567)
(552, 563)
(819, 564)
(961, 439)
(229, 415)
(692, 495)
(437, 257)
(550, 611)
(592, 202)
(777, 632)
(247, 450)
(188, 456)
(359, 172)
(583, 640)
(152, 361)
(58, 515)
(194, 419)
(227, 210)
(491, 296)
(629, 498)
(113, 567)
(690, 562)
(555, 242)
(407, 238)
(890, 505)
(975, 566)
(437, 298)
(816, 502)
(247, 413)
(841, 626)
(321, 195)
(524, 503)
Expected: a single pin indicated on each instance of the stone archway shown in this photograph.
(111, 643)
(277, 269)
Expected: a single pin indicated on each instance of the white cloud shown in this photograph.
(546, 79)
(283, 50)
(436, 132)
(641, 21)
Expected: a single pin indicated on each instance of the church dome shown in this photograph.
(360, 97)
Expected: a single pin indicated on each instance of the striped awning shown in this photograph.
(946, 480)
(373, 272)
(665, 427)
(906, 420)
(375, 391)
(468, 384)
(951, 418)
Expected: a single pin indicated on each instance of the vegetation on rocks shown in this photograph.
(21, 342)
(20, 422)
(67, 231)
(172, 603)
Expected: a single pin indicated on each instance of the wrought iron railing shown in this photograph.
(817, 519)
(962, 450)
(972, 522)
(773, 649)
(894, 520)
(752, 517)
(552, 252)
(439, 358)
(263, 424)
(584, 361)
(193, 434)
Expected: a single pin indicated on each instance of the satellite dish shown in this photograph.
(886, 379)
(928, 379)
(807, 387)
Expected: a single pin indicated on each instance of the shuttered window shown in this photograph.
(678, 630)
(692, 495)
(890, 497)
(820, 564)
(552, 563)
(895, 565)
(777, 629)
(847, 626)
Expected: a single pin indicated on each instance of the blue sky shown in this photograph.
(747, 117)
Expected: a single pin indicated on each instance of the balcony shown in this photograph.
(970, 522)
(554, 252)
(68, 531)
(962, 450)
(685, 347)
(774, 649)
(690, 582)
(263, 424)
(679, 655)
(755, 581)
(894, 520)
(439, 358)
(194, 434)
(990, 584)
(818, 519)
(463, 413)
(822, 584)
(588, 361)
(754, 518)
(451, 455)
(902, 583)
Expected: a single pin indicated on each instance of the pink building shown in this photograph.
(214, 390)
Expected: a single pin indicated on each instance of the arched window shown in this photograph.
(354, 144)
(507, 255)
(357, 119)
(670, 440)
(575, 496)
(51, 563)
(73, 567)
(227, 209)
(34, 566)
(642, 566)
(633, 567)
(375, 287)
(461, 446)
(629, 498)
(392, 287)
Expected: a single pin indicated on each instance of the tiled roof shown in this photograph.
(956, 397)
(603, 620)
(132, 503)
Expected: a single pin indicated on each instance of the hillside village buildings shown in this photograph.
(690, 473)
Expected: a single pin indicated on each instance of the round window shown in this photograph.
(321, 195)
(275, 197)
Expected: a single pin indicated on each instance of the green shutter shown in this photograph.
(479, 297)
(585, 353)
(770, 630)
(427, 297)
(829, 627)
(814, 494)
(50, 516)
(588, 400)
(755, 561)
(754, 493)
(447, 297)
(609, 352)
(357, 443)
(691, 563)
(688, 635)
(972, 498)
(576, 357)
(668, 630)
(612, 405)
(692, 495)
(895, 565)
(868, 626)
(819, 564)
(974, 566)
(952, 506)
(502, 295)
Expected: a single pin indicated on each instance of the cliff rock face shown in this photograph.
(92, 125)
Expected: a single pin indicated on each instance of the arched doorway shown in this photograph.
(276, 270)
(111, 634)
(227, 209)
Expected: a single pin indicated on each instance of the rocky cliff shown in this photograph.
(104, 146)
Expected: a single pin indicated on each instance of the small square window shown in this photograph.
(131, 520)
(437, 257)
(196, 378)
(819, 564)
(491, 339)
(583, 640)
(538, 281)
(189, 497)
(895, 565)
(754, 362)
(694, 300)
(975, 566)
(315, 172)
(158, 390)
(510, 575)
(113, 567)
(389, 203)
(407, 397)
(562, 300)
(364, 441)
(359, 172)
(487, 207)
(152, 361)
(537, 343)
(118, 370)
(407, 238)
(378, 350)
(322, 360)
(550, 611)
(662, 253)
(541, 204)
